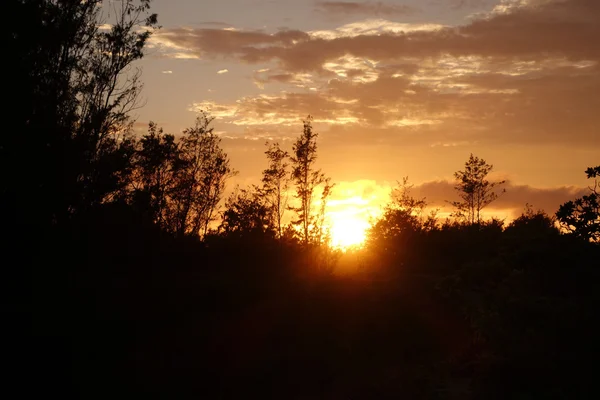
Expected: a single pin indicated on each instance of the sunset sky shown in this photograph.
(397, 88)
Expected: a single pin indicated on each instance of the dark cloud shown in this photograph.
(215, 23)
(463, 4)
(274, 78)
(363, 8)
(438, 193)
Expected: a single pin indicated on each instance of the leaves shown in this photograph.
(475, 191)
(276, 183)
(581, 217)
(307, 178)
(78, 86)
(247, 213)
(182, 182)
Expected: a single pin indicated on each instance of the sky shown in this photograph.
(397, 88)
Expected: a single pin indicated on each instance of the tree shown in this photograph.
(247, 212)
(155, 163)
(475, 191)
(181, 183)
(200, 174)
(319, 232)
(532, 225)
(276, 183)
(581, 217)
(306, 179)
(401, 218)
(72, 61)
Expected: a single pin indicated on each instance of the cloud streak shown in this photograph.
(362, 8)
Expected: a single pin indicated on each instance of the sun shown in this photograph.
(348, 231)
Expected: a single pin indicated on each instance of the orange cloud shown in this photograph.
(437, 193)
(526, 73)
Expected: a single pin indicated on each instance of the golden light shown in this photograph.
(350, 209)
(347, 231)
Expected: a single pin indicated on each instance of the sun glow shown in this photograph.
(348, 231)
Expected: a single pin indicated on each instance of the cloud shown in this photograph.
(222, 71)
(216, 110)
(363, 8)
(524, 29)
(493, 81)
(225, 42)
(374, 27)
(284, 109)
(465, 4)
(215, 24)
(438, 193)
(404, 108)
(167, 72)
(366, 199)
(168, 48)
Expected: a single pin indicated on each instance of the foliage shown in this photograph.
(275, 182)
(155, 174)
(71, 113)
(581, 217)
(306, 179)
(402, 216)
(475, 191)
(181, 183)
(532, 223)
(247, 213)
(201, 174)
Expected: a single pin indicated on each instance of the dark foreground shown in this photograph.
(128, 316)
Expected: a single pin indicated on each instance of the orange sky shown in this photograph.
(397, 88)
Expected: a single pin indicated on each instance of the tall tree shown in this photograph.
(155, 162)
(320, 232)
(276, 183)
(307, 178)
(581, 216)
(201, 172)
(180, 183)
(475, 191)
(72, 61)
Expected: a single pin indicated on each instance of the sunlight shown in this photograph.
(348, 231)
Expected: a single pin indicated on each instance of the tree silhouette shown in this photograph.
(154, 178)
(201, 172)
(306, 179)
(73, 65)
(247, 212)
(581, 216)
(181, 183)
(319, 231)
(475, 191)
(275, 182)
(402, 218)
